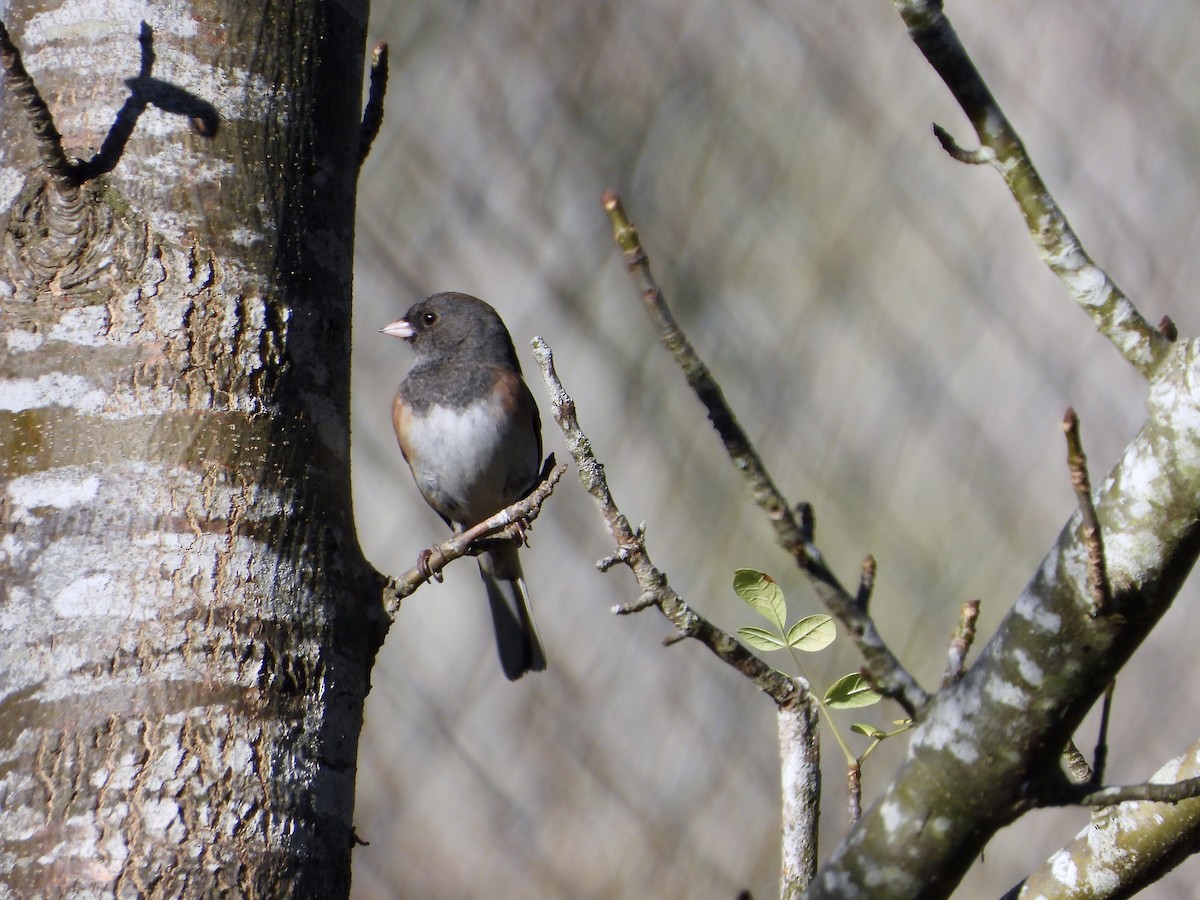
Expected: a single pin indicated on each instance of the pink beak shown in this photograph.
(398, 329)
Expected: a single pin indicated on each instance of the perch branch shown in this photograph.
(792, 532)
(508, 524)
(1113, 314)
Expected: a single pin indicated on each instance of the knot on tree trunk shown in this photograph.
(74, 243)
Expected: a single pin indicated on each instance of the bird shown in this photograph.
(469, 429)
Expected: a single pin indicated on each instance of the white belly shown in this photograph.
(468, 463)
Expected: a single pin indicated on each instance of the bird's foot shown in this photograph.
(423, 567)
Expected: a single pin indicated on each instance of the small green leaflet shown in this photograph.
(760, 638)
(869, 730)
(762, 593)
(812, 633)
(850, 692)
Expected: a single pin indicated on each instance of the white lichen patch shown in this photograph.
(1006, 692)
(1030, 671)
(162, 817)
(893, 816)
(10, 185)
(1089, 286)
(90, 596)
(1064, 257)
(244, 237)
(1073, 563)
(23, 341)
(948, 729)
(87, 17)
(1142, 477)
(200, 166)
(1136, 546)
(70, 391)
(241, 755)
(59, 489)
(85, 326)
(1030, 608)
(1171, 771)
(1176, 391)
(939, 825)
(164, 766)
(1062, 866)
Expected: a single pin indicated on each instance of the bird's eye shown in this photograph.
(429, 318)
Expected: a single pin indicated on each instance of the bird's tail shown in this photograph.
(516, 637)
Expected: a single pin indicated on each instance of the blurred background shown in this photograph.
(877, 316)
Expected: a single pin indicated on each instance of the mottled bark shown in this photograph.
(186, 622)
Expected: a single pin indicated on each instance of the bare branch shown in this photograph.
(1126, 847)
(799, 750)
(796, 708)
(1113, 314)
(960, 644)
(1152, 792)
(854, 790)
(1168, 329)
(1100, 757)
(372, 117)
(1077, 766)
(962, 154)
(49, 141)
(1097, 574)
(508, 524)
(866, 585)
(792, 532)
(631, 551)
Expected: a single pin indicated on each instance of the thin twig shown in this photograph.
(866, 585)
(508, 524)
(854, 791)
(796, 706)
(631, 550)
(1152, 792)
(49, 141)
(372, 117)
(1097, 573)
(792, 531)
(1113, 313)
(800, 783)
(975, 157)
(1101, 754)
(1138, 841)
(960, 643)
(1077, 766)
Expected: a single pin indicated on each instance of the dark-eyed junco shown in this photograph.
(469, 429)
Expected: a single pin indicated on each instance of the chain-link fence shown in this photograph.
(878, 317)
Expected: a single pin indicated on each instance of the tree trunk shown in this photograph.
(186, 621)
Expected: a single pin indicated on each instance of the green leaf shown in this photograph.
(762, 593)
(760, 638)
(869, 730)
(851, 692)
(812, 633)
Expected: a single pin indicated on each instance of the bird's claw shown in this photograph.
(521, 528)
(424, 568)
